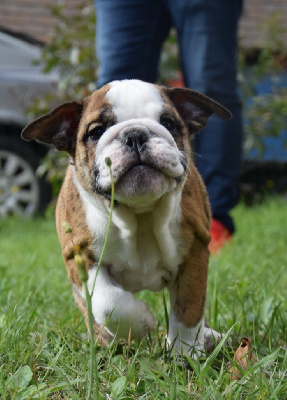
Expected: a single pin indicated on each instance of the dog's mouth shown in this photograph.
(143, 167)
(138, 182)
(138, 168)
(144, 183)
(141, 170)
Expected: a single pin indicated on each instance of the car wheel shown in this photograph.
(22, 192)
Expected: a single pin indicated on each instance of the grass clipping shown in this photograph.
(242, 360)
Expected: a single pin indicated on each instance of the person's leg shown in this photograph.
(129, 36)
(207, 31)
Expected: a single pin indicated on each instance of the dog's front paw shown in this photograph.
(117, 310)
(129, 318)
(195, 341)
(141, 321)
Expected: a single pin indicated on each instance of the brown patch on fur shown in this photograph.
(181, 134)
(192, 274)
(97, 110)
(80, 235)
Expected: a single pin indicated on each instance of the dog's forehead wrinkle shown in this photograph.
(107, 114)
(104, 114)
(134, 99)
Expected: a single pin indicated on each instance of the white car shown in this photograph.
(22, 192)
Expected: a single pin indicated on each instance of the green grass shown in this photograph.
(44, 351)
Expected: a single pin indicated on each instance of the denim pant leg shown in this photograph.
(129, 36)
(207, 31)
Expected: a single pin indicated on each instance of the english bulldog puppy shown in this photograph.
(160, 224)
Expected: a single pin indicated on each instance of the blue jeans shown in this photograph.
(129, 37)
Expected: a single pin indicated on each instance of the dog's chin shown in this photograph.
(143, 185)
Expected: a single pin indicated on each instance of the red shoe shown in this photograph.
(220, 235)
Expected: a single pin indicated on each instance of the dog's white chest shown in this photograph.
(138, 259)
(144, 250)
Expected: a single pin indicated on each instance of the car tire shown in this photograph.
(22, 192)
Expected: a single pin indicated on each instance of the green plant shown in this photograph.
(169, 67)
(264, 114)
(71, 52)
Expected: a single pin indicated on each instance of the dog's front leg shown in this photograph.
(116, 309)
(187, 331)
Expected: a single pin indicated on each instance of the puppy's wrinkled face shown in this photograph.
(139, 130)
(142, 128)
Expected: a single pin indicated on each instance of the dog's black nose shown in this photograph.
(136, 140)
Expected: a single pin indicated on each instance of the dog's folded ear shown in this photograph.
(195, 108)
(59, 127)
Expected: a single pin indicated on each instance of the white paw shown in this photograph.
(116, 309)
(196, 341)
(141, 321)
(129, 318)
(179, 346)
(186, 341)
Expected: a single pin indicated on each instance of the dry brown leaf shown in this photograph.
(243, 358)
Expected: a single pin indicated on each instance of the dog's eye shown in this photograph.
(168, 123)
(95, 131)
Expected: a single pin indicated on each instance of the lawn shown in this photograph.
(44, 349)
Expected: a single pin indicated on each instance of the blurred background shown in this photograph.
(47, 56)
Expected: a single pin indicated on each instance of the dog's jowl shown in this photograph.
(160, 225)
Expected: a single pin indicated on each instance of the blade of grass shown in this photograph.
(165, 313)
(3, 384)
(109, 164)
(272, 324)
